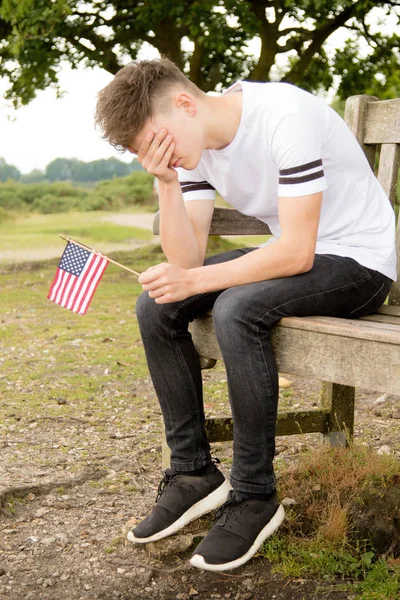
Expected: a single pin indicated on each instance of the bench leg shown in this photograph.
(339, 400)
(165, 451)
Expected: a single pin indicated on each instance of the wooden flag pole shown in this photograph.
(68, 239)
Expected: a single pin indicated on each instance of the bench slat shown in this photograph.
(348, 328)
(388, 309)
(220, 429)
(317, 349)
(382, 125)
(228, 221)
(382, 319)
(389, 161)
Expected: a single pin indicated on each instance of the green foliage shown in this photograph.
(38, 35)
(380, 583)
(50, 203)
(72, 169)
(318, 536)
(4, 215)
(376, 74)
(33, 177)
(8, 171)
(135, 189)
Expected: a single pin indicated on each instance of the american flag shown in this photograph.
(77, 278)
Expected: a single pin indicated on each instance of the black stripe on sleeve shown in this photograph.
(194, 186)
(303, 179)
(301, 168)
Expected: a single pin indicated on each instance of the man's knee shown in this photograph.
(147, 311)
(231, 308)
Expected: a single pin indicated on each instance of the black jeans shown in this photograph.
(243, 317)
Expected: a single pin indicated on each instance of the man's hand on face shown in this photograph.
(155, 154)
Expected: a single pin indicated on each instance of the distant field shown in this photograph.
(35, 237)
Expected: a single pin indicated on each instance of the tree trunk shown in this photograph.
(168, 41)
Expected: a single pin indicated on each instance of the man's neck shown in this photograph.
(222, 118)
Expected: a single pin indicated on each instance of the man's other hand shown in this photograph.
(155, 155)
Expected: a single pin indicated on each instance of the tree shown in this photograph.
(8, 171)
(73, 169)
(37, 35)
(35, 176)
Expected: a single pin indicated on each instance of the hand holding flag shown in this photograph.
(78, 275)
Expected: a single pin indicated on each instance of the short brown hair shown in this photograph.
(133, 96)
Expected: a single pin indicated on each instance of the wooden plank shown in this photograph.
(382, 122)
(352, 362)
(220, 429)
(347, 328)
(382, 319)
(369, 364)
(388, 309)
(356, 110)
(156, 223)
(227, 221)
(389, 161)
(394, 296)
(339, 400)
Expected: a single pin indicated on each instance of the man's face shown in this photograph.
(182, 122)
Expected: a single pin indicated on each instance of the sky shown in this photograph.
(48, 127)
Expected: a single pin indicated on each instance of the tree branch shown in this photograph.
(319, 37)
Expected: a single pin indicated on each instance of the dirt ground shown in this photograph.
(80, 477)
(66, 538)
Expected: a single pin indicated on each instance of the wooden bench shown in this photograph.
(342, 353)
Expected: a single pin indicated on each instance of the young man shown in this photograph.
(280, 154)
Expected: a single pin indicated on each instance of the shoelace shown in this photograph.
(227, 508)
(165, 481)
(169, 477)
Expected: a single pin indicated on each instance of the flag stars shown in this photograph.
(74, 259)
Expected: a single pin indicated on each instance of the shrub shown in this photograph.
(10, 196)
(4, 215)
(50, 203)
(135, 189)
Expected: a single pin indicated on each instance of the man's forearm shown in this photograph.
(270, 262)
(178, 239)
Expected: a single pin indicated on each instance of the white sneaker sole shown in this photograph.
(211, 502)
(198, 561)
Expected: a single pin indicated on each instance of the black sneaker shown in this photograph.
(242, 527)
(180, 500)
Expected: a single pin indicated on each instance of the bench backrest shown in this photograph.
(376, 125)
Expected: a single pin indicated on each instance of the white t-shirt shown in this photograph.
(290, 143)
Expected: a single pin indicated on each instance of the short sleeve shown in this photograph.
(194, 186)
(297, 150)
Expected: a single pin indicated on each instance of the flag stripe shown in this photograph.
(55, 285)
(64, 281)
(96, 279)
(80, 283)
(85, 284)
(68, 287)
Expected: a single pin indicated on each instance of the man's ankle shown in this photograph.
(207, 469)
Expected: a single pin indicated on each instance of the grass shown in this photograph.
(318, 538)
(55, 364)
(34, 231)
